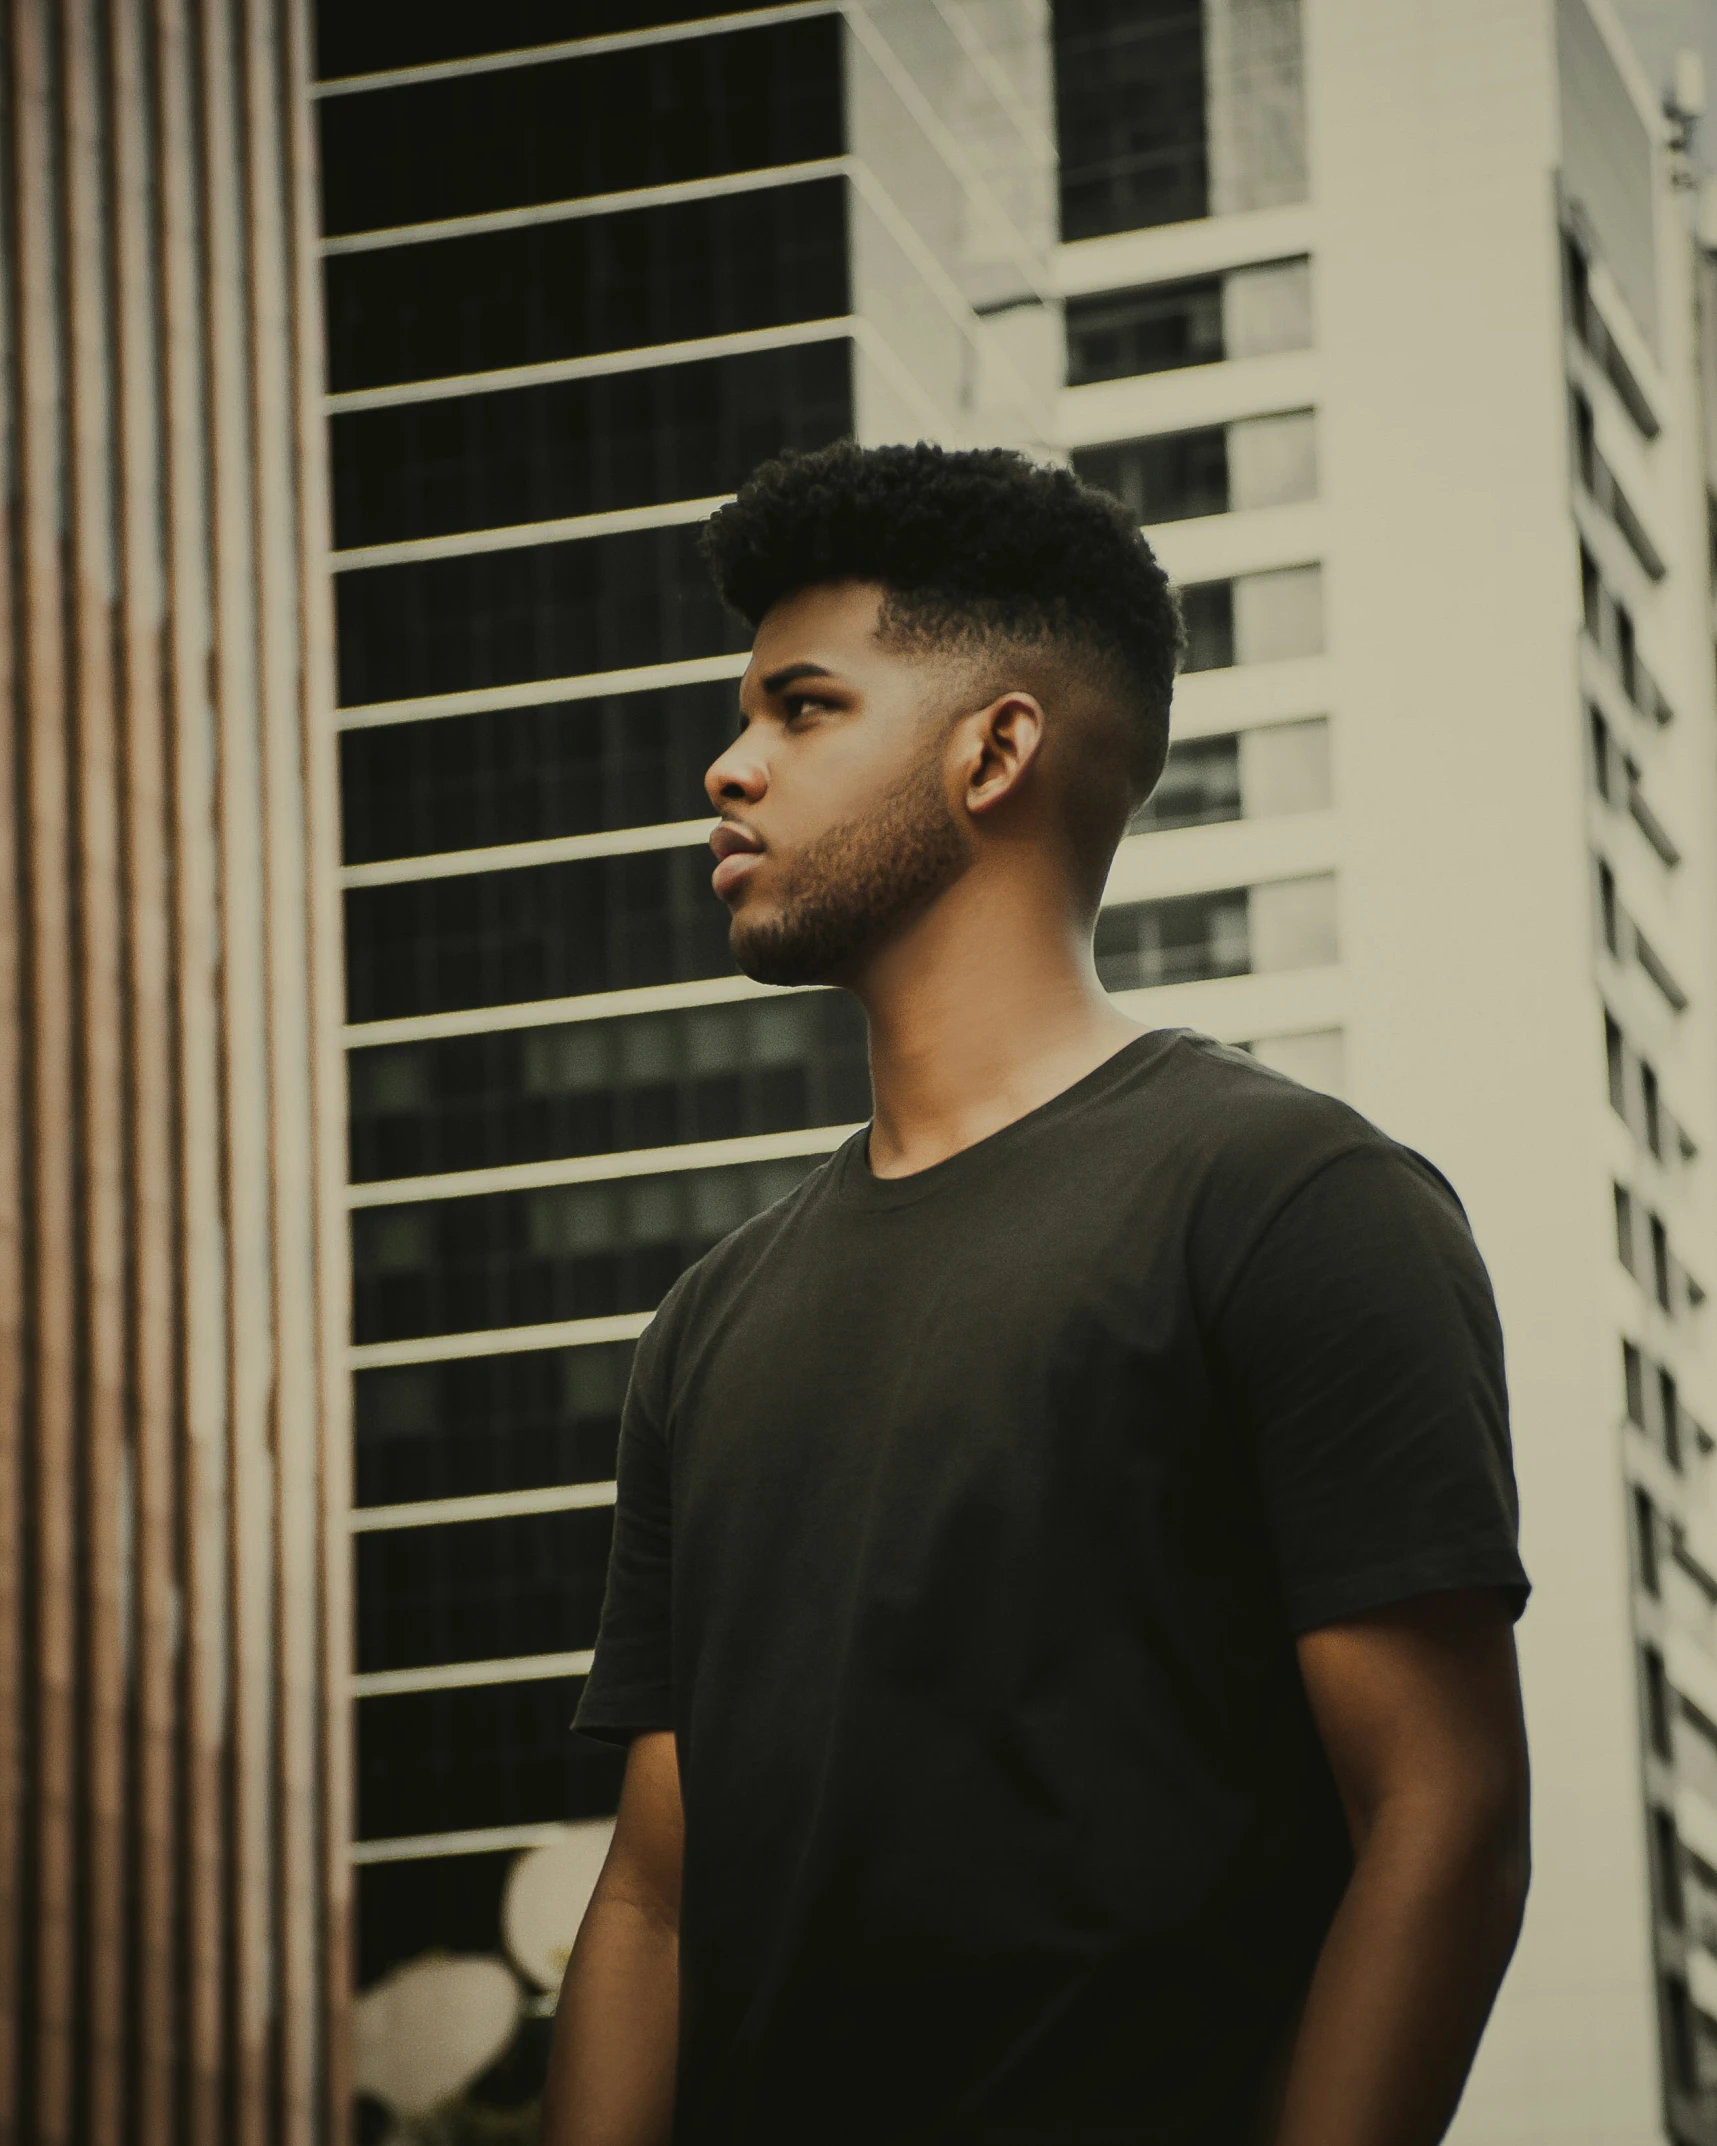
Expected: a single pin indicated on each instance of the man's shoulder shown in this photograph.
(711, 1281)
(1232, 1116)
(1252, 1139)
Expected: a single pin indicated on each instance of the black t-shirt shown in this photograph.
(966, 1521)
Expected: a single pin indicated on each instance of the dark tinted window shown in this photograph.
(1177, 941)
(588, 285)
(357, 40)
(1645, 1541)
(1200, 783)
(1129, 103)
(1208, 608)
(643, 1081)
(448, 1903)
(555, 1252)
(485, 1755)
(1150, 331)
(563, 129)
(524, 774)
(627, 439)
(547, 611)
(1166, 479)
(476, 1590)
(537, 931)
(487, 1423)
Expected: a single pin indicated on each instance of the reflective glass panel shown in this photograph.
(524, 774)
(412, 33)
(1200, 784)
(578, 288)
(536, 931)
(555, 1252)
(1175, 941)
(549, 611)
(572, 447)
(640, 1081)
(520, 1421)
(1130, 113)
(1166, 479)
(600, 123)
(478, 1590)
(478, 1755)
(1121, 333)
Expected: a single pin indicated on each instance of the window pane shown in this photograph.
(483, 1755)
(557, 1252)
(524, 774)
(1130, 112)
(411, 33)
(487, 1423)
(1272, 461)
(1180, 940)
(1278, 615)
(474, 1590)
(1256, 103)
(570, 447)
(1284, 767)
(1293, 923)
(1200, 783)
(1208, 608)
(591, 1087)
(1267, 308)
(533, 932)
(1166, 479)
(594, 284)
(548, 611)
(599, 123)
(1115, 335)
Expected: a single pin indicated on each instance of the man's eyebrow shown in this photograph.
(791, 673)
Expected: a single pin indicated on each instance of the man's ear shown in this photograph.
(1004, 740)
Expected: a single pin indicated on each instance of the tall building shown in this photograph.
(576, 289)
(1382, 315)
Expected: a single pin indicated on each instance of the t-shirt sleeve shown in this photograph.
(1362, 1354)
(630, 1686)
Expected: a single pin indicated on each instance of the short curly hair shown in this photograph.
(975, 548)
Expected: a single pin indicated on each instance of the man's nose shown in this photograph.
(736, 776)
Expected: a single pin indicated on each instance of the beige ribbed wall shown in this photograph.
(173, 1798)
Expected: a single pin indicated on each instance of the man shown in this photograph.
(1061, 1600)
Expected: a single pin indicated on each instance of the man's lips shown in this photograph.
(737, 850)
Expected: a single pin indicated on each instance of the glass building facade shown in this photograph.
(576, 289)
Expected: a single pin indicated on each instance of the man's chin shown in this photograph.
(770, 954)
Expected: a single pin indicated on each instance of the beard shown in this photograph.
(854, 887)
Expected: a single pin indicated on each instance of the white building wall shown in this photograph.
(1470, 981)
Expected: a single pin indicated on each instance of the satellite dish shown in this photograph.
(430, 2028)
(546, 1897)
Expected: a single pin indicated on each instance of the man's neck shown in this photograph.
(985, 1009)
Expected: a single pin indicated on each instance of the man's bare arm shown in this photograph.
(1419, 1710)
(611, 2070)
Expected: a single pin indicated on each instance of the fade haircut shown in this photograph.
(980, 553)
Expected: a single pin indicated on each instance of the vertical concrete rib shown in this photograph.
(245, 1097)
(327, 1085)
(50, 1532)
(12, 1206)
(153, 2020)
(290, 1125)
(200, 1252)
(104, 1487)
